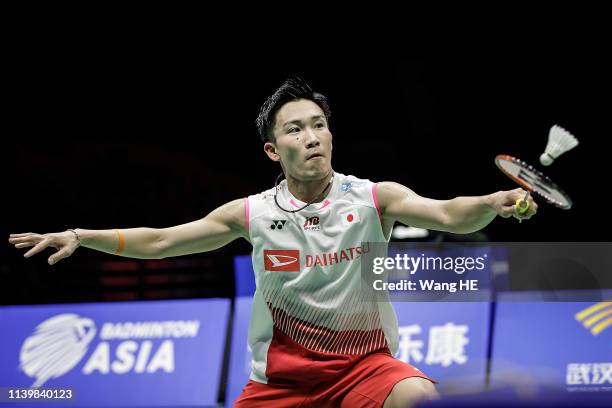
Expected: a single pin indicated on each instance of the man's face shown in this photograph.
(303, 142)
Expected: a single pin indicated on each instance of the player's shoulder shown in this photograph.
(356, 189)
(350, 183)
(266, 196)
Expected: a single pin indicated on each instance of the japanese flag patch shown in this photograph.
(350, 217)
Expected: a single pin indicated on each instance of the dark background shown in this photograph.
(133, 133)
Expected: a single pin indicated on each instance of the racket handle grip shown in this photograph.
(522, 206)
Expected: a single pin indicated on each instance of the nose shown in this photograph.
(311, 139)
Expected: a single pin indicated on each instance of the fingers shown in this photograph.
(59, 255)
(507, 211)
(510, 197)
(16, 238)
(519, 194)
(29, 238)
(24, 245)
(19, 235)
(37, 248)
(40, 242)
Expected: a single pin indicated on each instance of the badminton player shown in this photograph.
(314, 340)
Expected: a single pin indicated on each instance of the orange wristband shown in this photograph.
(121, 244)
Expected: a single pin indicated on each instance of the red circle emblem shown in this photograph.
(349, 218)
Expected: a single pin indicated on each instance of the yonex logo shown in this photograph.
(596, 318)
(282, 260)
(57, 345)
(278, 224)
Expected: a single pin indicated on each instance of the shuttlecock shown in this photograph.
(559, 142)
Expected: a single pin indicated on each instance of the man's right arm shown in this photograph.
(220, 227)
(217, 229)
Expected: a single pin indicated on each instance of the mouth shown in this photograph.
(314, 156)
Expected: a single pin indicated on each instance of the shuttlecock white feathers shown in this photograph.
(559, 142)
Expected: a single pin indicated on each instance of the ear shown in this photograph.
(270, 149)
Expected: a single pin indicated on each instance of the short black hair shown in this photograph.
(292, 89)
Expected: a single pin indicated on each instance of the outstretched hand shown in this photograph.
(505, 204)
(65, 243)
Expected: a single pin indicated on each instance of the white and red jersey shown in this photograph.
(311, 315)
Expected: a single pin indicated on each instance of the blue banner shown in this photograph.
(244, 275)
(240, 355)
(565, 345)
(154, 353)
(447, 341)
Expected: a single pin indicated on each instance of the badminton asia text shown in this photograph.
(131, 354)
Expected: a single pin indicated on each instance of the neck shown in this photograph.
(307, 191)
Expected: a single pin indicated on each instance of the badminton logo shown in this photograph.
(60, 343)
(57, 345)
(596, 318)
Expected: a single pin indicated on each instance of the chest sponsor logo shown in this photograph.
(332, 258)
(312, 224)
(282, 260)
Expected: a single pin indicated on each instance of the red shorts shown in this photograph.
(367, 383)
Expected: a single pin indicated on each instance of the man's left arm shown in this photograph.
(460, 215)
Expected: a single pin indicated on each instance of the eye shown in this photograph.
(293, 130)
(320, 125)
